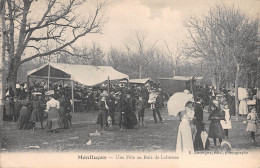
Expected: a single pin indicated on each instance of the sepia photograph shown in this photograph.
(129, 83)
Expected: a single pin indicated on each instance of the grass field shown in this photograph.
(148, 137)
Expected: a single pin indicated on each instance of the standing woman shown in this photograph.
(9, 110)
(130, 119)
(231, 102)
(24, 118)
(215, 128)
(184, 142)
(54, 121)
(226, 123)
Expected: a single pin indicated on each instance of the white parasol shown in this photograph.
(177, 102)
(204, 137)
(242, 93)
(258, 94)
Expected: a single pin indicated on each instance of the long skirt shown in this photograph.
(54, 121)
(216, 130)
(184, 139)
(129, 120)
(117, 118)
(102, 118)
(24, 119)
(243, 110)
(232, 106)
(35, 115)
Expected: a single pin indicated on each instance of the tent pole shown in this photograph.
(27, 82)
(72, 96)
(191, 87)
(49, 69)
(108, 86)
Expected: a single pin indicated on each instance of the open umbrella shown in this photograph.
(177, 102)
(258, 94)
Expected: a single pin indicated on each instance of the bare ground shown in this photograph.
(148, 137)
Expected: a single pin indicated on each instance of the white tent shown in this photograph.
(88, 75)
(139, 81)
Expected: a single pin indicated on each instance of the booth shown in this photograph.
(177, 84)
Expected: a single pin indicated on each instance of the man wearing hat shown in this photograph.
(103, 111)
(140, 106)
(157, 106)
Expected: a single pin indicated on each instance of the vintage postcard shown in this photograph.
(129, 83)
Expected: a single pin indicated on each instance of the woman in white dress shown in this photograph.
(242, 96)
(226, 124)
(243, 110)
(184, 139)
(54, 121)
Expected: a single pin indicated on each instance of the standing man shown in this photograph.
(157, 106)
(199, 126)
(140, 105)
(145, 95)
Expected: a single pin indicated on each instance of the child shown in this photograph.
(226, 123)
(252, 127)
(140, 104)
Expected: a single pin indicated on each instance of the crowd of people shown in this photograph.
(220, 108)
(35, 103)
(125, 106)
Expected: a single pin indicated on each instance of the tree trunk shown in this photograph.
(236, 89)
(12, 78)
(2, 65)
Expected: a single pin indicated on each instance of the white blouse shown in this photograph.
(53, 103)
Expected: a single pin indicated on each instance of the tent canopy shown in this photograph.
(184, 78)
(139, 81)
(88, 75)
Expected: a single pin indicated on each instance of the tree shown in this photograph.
(54, 31)
(226, 37)
(139, 52)
(2, 60)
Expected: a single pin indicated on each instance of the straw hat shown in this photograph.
(50, 92)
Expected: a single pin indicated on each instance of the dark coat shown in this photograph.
(215, 128)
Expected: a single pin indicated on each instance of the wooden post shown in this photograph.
(72, 96)
(49, 71)
(127, 83)
(191, 88)
(108, 86)
(27, 83)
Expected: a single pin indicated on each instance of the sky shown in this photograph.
(158, 21)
